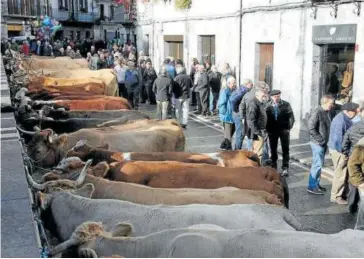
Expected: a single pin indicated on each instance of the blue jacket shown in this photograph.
(225, 106)
(339, 125)
(171, 71)
(236, 97)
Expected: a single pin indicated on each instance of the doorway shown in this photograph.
(265, 65)
(173, 46)
(337, 71)
(207, 48)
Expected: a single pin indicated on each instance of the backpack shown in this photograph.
(131, 78)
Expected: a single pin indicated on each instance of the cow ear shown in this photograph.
(44, 200)
(85, 191)
(122, 229)
(100, 170)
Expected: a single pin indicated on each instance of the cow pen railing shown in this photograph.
(42, 238)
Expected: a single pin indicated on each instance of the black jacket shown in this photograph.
(256, 118)
(285, 119)
(247, 98)
(149, 76)
(319, 126)
(163, 87)
(182, 86)
(203, 82)
(352, 137)
(215, 81)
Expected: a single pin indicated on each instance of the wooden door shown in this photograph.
(266, 53)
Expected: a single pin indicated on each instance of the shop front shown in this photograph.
(334, 57)
(14, 30)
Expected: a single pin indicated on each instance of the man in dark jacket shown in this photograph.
(132, 83)
(235, 98)
(181, 89)
(143, 92)
(319, 129)
(352, 136)
(148, 79)
(247, 98)
(162, 87)
(257, 120)
(203, 90)
(280, 120)
(215, 85)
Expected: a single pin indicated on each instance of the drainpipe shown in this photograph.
(240, 38)
(186, 41)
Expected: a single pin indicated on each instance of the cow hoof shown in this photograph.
(87, 253)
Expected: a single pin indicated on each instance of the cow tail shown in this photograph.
(285, 191)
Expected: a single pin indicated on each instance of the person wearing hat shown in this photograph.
(339, 126)
(319, 129)
(280, 120)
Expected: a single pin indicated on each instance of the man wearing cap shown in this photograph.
(340, 124)
(280, 120)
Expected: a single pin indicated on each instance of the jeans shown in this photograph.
(318, 159)
(162, 110)
(214, 96)
(360, 218)
(182, 110)
(238, 130)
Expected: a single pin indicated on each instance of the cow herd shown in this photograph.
(119, 183)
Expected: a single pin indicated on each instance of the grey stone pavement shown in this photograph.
(18, 232)
(316, 213)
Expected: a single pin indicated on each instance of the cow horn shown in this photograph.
(25, 131)
(83, 173)
(36, 128)
(64, 246)
(32, 183)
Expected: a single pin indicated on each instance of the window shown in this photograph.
(88, 34)
(78, 35)
(83, 6)
(102, 12)
(63, 4)
(71, 35)
(146, 44)
(207, 48)
(112, 12)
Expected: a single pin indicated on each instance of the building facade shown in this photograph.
(98, 19)
(300, 47)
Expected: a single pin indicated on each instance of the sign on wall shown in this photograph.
(331, 34)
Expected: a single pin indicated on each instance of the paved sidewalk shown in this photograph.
(18, 232)
(300, 150)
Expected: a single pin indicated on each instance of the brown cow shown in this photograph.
(141, 135)
(236, 158)
(101, 103)
(201, 176)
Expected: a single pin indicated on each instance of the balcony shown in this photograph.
(64, 14)
(60, 14)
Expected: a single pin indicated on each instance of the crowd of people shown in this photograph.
(253, 113)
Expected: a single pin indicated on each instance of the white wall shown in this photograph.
(291, 33)
(170, 21)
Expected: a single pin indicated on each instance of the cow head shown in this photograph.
(59, 185)
(86, 234)
(82, 150)
(46, 149)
